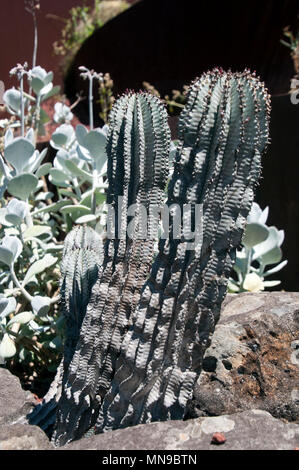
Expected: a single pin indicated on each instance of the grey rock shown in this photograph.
(15, 402)
(23, 437)
(250, 430)
(253, 359)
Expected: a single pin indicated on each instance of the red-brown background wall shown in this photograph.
(16, 35)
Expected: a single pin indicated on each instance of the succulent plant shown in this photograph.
(34, 219)
(261, 249)
(141, 347)
(138, 136)
(223, 132)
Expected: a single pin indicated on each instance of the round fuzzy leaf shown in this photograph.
(54, 91)
(30, 136)
(38, 267)
(8, 138)
(271, 257)
(3, 221)
(43, 170)
(12, 99)
(63, 136)
(6, 256)
(86, 218)
(76, 171)
(40, 305)
(255, 233)
(10, 249)
(81, 133)
(7, 347)
(62, 113)
(41, 196)
(22, 186)
(36, 231)
(39, 79)
(13, 219)
(86, 198)
(58, 176)
(271, 242)
(18, 152)
(51, 208)
(7, 306)
(254, 214)
(22, 318)
(35, 161)
(95, 142)
(37, 85)
(16, 211)
(75, 211)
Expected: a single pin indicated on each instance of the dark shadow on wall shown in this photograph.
(279, 188)
(170, 42)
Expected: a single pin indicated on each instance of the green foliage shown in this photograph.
(106, 98)
(259, 255)
(82, 22)
(34, 221)
(292, 39)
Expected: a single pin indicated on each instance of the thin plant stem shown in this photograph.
(19, 286)
(90, 103)
(22, 104)
(93, 195)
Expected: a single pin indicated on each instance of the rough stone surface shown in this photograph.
(15, 402)
(250, 430)
(253, 359)
(23, 437)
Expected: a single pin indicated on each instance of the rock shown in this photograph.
(23, 437)
(250, 430)
(253, 359)
(218, 438)
(15, 402)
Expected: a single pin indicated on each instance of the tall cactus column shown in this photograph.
(80, 268)
(138, 159)
(223, 132)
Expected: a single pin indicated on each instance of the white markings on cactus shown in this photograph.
(144, 334)
(138, 147)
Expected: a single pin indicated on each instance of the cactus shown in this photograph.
(138, 146)
(142, 340)
(223, 131)
(80, 268)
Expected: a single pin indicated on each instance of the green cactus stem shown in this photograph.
(223, 132)
(138, 157)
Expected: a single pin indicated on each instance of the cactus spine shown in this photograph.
(223, 132)
(138, 158)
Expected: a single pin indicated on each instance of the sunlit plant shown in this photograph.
(260, 256)
(34, 220)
